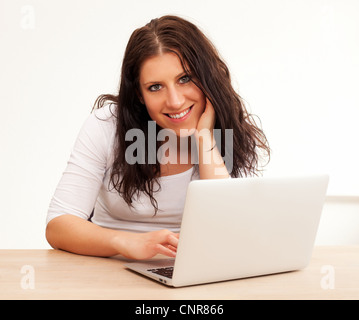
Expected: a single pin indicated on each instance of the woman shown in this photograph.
(172, 79)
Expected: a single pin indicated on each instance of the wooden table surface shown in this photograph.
(51, 274)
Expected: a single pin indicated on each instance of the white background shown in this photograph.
(295, 62)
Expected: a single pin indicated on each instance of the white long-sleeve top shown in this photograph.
(84, 185)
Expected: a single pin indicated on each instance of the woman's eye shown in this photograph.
(155, 87)
(185, 79)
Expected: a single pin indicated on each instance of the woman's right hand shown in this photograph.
(74, 234)
(142, 246)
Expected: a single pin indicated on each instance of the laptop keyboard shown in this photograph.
(165, 272)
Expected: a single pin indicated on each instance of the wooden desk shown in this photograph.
(61, 275)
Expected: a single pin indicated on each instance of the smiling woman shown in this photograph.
(172, 77)
(170, 97)
(165, 51)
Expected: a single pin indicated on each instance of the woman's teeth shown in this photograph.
(179, 115)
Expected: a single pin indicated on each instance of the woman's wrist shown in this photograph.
(205, 140)
(119, 243)
(211, 164)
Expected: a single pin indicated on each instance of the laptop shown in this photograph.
(242, 227)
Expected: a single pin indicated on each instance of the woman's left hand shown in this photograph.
(208, 118)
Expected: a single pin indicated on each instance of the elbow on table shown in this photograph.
(50, 235)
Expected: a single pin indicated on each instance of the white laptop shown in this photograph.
(243, 227)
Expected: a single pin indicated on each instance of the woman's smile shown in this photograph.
(178, 117)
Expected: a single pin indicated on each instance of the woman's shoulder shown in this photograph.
(106, 113)
(99, 128)
(102, 119)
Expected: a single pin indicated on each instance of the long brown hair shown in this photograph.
(200, 59)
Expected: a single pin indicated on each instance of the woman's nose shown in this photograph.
(175, 99)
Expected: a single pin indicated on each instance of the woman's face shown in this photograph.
(171, 98)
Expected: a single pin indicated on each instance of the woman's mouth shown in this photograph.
(180, 116)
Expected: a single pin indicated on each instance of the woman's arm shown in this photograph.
(73, 234)
(211, 164)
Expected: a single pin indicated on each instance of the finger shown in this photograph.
(172, 248)
(172, 240)
(209, 105)
(165, 250)
(209, 110)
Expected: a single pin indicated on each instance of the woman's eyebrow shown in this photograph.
(150, 82)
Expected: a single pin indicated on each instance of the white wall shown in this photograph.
(295, 62)
(339, 223)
